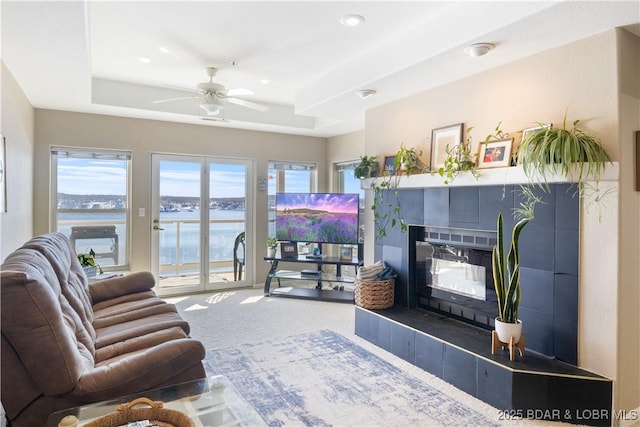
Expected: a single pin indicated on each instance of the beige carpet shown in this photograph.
(238, 317)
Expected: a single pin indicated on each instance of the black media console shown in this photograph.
(334, 281)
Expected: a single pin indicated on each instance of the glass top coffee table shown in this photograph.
(211, 401)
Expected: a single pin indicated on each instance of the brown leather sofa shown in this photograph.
(67, 342)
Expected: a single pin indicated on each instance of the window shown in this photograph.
(346, 182)
(288, 177)
(90, 193)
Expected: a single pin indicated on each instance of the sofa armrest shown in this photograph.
(111, 288)
(138, 371)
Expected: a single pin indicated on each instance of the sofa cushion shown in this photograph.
(45, 331)
(138, 343)
(132, 328)
(133, 314)
(108, 289)
(124, 304)
(57, 250)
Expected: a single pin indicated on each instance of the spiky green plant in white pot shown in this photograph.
(506, 269)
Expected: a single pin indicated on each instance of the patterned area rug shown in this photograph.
(322, 378)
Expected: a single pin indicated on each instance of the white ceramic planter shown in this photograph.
(271, 252)
(90, 271)
(507, 330)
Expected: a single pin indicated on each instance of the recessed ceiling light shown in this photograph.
(478, 49)
(164, 49)
(144, 59)
(352, 20)
(366, 93)
(265, 81)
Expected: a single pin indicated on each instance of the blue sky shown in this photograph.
(178, 178)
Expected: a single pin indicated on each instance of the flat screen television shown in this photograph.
(317, 217)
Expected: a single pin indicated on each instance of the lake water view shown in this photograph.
(179, 241)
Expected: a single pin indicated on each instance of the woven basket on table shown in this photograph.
(374, 294)
(158, 416)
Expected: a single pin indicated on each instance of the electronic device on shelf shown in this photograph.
(310, 272)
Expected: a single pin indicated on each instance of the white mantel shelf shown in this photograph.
(497, 176)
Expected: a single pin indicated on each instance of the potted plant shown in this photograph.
(459, 159)
(386, 198)
(506, 271)
(550, 149)
(272, 246)
(89, 264)
(367, 168)
(408, 161)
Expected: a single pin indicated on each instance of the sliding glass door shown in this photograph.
(200, 216)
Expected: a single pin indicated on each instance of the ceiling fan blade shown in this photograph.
(239, 91)
(248, 104)
(215, 119)
(174, 99)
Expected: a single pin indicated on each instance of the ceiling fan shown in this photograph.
(213, 94)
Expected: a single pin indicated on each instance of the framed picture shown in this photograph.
(441, 138)
(495, 154)
(389, 165)
(288, 250)
(526, 133)
(346, 253)
(3, 174)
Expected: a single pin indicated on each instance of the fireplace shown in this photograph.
(450, 273)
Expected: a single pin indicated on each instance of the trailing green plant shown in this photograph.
(498, 134)
(386, 205)
(506, 269)
(89, 260)
(549, 149)
(408, 160)
(367, 168)
(459, 159)
(386, 196)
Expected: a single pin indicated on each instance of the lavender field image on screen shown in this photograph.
(317, 217)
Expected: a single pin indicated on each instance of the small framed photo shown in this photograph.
(390, 165)
(495, 154)
(346, 253)
(526, 133)
(288, 250)
(441, 138)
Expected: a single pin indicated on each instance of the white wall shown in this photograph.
(16, 125)
(343, 148)
(629, 227)
(582, 79)
(144, 137)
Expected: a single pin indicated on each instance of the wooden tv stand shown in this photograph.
(335, 293)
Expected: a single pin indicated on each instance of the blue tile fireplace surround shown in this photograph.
(452, 339)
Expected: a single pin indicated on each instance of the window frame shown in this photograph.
(280, 168)
(96, 153)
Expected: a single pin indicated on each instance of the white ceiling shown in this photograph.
(84, 55)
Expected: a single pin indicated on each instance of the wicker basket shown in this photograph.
(373, 294)
(159, 416)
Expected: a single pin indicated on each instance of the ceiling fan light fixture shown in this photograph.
(211, 105)
(478, 49)
(366, 93)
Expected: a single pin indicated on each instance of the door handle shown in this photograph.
(156, 227)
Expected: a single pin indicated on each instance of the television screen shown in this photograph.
(317, 217)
